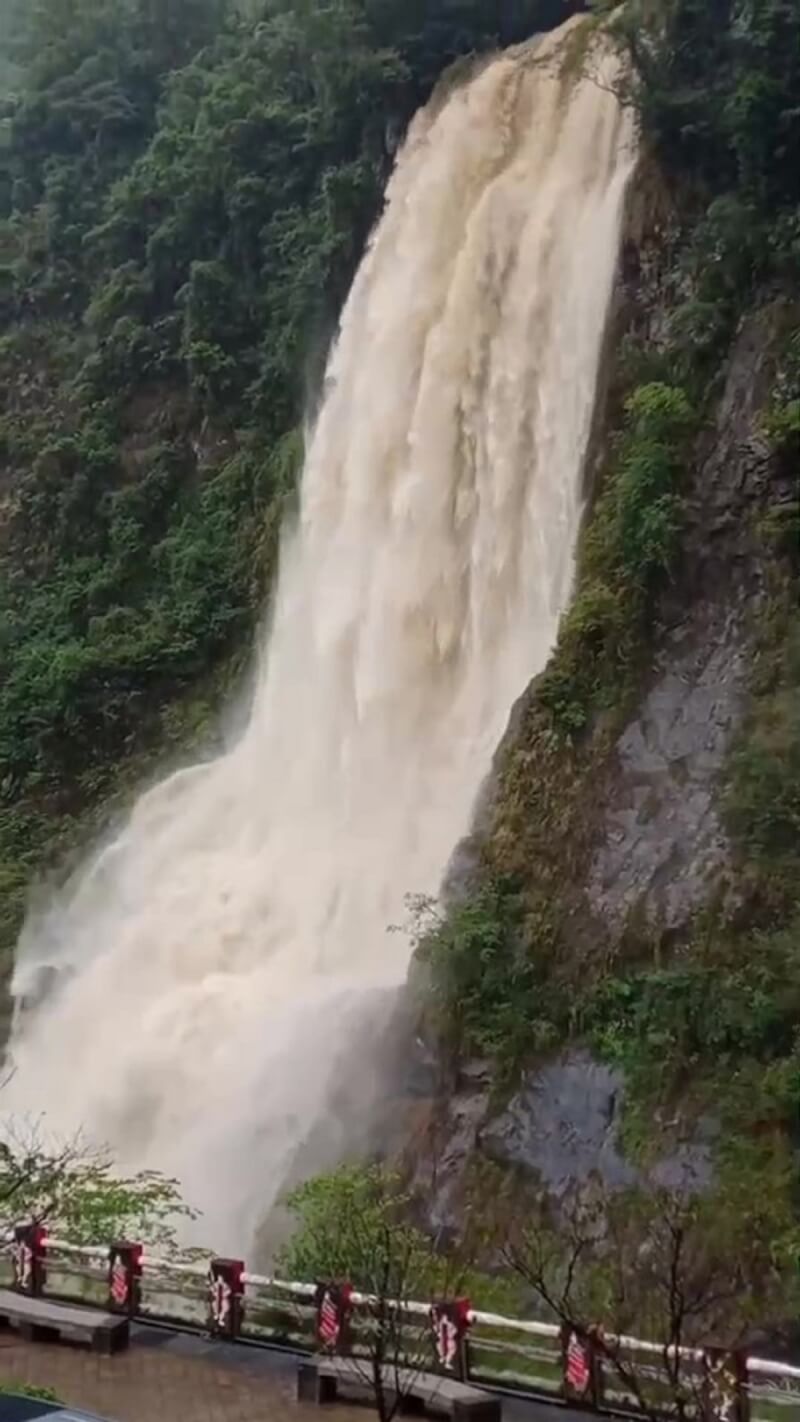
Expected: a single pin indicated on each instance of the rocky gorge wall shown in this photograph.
(613, 843)
(661, 843)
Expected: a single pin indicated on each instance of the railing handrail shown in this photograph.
(154, 1263)
(770, 1367)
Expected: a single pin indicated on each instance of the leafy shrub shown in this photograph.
(646, 507)
(783, 425)
(482, 981)
(631, 542)
(693, 1012)
(719, 1029)
(351, 1224)
(356, 1223)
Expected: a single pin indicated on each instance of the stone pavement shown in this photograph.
(175, 1377)
(165, 1378)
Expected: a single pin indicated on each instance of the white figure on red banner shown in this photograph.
(221, 1294)
(446, 1340)
(449, 1322)
(23, 1264)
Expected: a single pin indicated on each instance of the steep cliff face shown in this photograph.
(662, 849)
(631, 919)
(643, 784)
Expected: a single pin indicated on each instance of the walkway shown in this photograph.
(165, 1378)
(173, 1377)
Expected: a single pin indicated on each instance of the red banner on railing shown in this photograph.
(581, 1373)
(719, 1379)
(124, 1278)
(450, 1323)
(333, 1303)
(226, 1297)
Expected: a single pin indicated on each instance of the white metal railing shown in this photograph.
(519, 1354)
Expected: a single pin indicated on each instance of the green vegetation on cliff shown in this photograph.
(707, 1017)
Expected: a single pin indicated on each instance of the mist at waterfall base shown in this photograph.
(221, 969)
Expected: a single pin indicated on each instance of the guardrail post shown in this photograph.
(334, 1304)
(725, 1392)
(226, 1297)
(581, 1375)
(450, 1324)
(28, 1259)
(125, 1278)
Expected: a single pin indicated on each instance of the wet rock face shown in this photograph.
(661, 846)
(652, 849)
(562, 1129)
(441, 1165)
(663, 843)
(469, 1111)
(564, 1124)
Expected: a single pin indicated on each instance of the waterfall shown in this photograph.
(213, 966)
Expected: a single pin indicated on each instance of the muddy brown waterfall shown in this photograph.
(216, 960)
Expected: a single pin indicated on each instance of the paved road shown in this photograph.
(166, 1377)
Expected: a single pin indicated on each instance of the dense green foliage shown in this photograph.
(716, 83)
(764, 795)
(185, 189)
(356, 1224)
(630, 545)
(352, 1224)
(480, 978)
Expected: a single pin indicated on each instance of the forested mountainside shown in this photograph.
(186, 188)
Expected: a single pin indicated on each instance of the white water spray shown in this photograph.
(218, 958)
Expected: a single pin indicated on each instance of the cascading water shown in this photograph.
(217, 959)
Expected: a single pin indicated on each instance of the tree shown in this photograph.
(667, 1264)
(717, 87)
(353, 1227)
(74, 1189)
